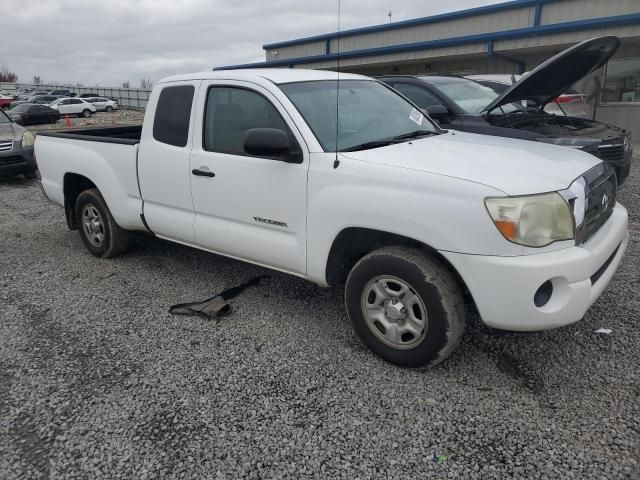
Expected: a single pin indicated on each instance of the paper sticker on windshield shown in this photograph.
(416, 116)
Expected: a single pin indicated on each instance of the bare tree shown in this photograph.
(36, 80)
(7, 76)
(146, 83)
(126, 84)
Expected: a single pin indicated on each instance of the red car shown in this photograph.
(6, 101)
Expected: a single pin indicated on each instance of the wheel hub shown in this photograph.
(93, 225)
(394, 312)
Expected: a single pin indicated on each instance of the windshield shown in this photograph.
(3, 117)
(471, 96)
(20, 108)
(368, 112)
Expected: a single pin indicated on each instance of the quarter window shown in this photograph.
(173, 114)
(230, 112)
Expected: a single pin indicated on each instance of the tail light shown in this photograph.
(570, 99)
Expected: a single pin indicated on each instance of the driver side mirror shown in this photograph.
(438, 112)
(270, 143)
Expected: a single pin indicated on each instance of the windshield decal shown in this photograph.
(416, 116)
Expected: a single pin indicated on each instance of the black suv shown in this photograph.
(518, 112)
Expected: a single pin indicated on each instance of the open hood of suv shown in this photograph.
(550, 79)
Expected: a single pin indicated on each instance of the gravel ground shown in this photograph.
(97, 380)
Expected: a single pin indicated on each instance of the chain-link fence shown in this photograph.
(126, 97)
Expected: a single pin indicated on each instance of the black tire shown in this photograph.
(430, 283)
(115, 239)
(109, 109)
(86, 113)
(31, 174)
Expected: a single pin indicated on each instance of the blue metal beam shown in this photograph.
(538, 15)
(472, 12)
(619, 20)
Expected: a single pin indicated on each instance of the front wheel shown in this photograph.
(109, 109)
(86, 113)
(405, 306)
(99, 231)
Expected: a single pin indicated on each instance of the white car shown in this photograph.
(103, 104)
(73, 106)
(571, 102)
(259, 165)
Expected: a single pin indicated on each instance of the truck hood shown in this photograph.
(11, 131)
(516, 167)
(553, 77)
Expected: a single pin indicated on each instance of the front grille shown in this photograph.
(11, 160)
(611, 152)
(6, 145)
(600, 200)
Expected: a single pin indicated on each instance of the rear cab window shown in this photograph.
(173, 115)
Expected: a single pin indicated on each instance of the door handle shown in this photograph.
(202, 173)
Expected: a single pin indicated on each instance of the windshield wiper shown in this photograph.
(415, 134)
(389, 141)
(368, 145)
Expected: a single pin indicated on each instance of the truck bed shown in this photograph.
(106, 157)
(127, 135)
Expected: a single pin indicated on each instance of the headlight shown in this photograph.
(533, 220)
(569, 141)
(28, 139)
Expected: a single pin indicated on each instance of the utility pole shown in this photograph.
(389, 15)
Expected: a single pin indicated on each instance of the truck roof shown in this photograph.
(275, 75)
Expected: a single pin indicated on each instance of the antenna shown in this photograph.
(336, 162)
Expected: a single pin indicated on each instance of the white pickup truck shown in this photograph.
(347, 181)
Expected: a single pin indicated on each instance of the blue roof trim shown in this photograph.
(618, 20)
(500, 7)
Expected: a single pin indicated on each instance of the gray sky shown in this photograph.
(109, 42)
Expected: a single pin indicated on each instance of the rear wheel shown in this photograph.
(109, 109)
(86, 113)
(99, 231)
(405, 306)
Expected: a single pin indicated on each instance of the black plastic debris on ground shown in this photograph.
(216, 306)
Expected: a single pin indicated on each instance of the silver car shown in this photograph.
(103, 104)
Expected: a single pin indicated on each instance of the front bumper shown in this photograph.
(17, 160)
(503, 288)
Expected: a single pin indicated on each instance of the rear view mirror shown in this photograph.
(271, 143)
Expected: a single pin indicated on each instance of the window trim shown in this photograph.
(605, 70)
(296, 151)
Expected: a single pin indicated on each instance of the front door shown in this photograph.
(247, 206)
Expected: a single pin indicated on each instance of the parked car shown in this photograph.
(570, 103)
(33, 114)
(92, 95)
(6, 101)
(103, 104)
(40, 99)
(463, 104)
(259, 166)
(74, 106)
(61, 93)
(16, 149)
